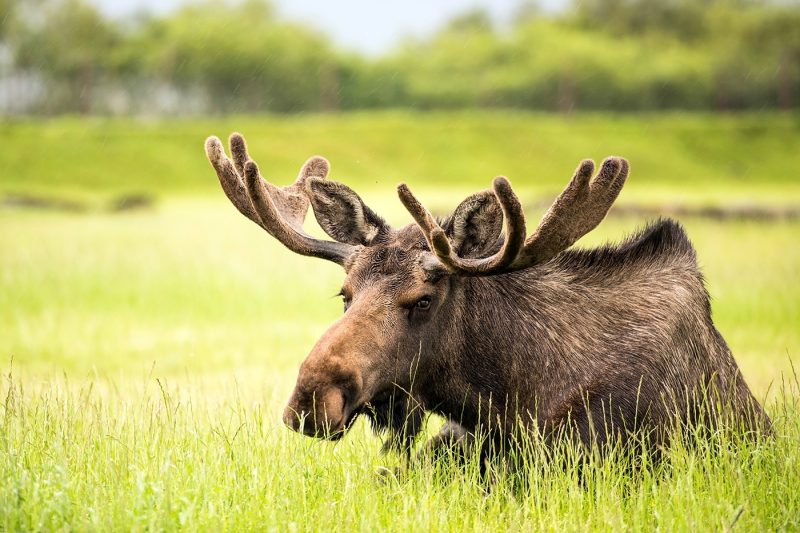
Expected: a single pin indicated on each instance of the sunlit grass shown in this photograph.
(193, 455)
(696, 158)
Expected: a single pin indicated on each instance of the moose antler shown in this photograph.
(578, 209)
(281, 211)
(440, 244)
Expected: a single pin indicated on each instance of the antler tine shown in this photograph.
(296, 240)
(230, 179)
(440, 243)
(515, 223)
(278, 210)
(582, 205)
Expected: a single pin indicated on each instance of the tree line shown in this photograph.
(64, 56)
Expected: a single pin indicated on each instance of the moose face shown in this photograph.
(398, 303)
(391, 310)
(400, 292)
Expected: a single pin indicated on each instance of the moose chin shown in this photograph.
(473, 319)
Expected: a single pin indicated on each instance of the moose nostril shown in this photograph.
(292, 419)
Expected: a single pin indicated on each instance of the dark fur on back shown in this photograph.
(661, 241)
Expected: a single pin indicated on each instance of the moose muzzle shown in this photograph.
(330, 389)
(322, 413)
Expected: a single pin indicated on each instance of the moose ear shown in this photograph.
(342, 214)
(475, 225)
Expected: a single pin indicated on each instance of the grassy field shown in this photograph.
(686, 158)
(147, 354)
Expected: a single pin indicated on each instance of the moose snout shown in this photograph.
(321, 415)
(330, 386)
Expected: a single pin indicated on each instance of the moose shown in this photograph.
(471, 318)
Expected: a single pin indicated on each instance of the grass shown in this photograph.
(165, 457)
(677, 157)
(153, 350)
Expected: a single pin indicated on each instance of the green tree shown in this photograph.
(69, 42)
(244, 57)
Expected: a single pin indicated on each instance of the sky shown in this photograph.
(370, 27)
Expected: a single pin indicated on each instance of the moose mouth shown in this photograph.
(348, 423)
(379, 411)
(376, 410)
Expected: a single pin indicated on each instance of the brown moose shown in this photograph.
(493, 329)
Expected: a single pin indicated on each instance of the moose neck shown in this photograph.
(484, 349)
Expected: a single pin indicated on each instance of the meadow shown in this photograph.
(147, 353)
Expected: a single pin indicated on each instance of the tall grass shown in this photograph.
(156, 455)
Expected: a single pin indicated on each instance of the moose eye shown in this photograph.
(345, 300)
(424, 303)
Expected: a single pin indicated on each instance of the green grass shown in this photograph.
(675, 157)
(153, 350)
(178, 457)
(197, 288)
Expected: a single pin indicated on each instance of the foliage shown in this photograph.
(240, 57)
(71, 44)
(245, 58)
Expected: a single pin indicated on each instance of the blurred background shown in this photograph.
(134, 57)
(121, 257)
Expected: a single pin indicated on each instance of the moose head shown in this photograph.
(404, 292)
